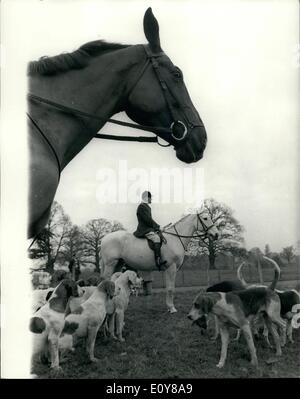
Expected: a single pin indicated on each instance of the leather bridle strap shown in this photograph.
(183, 236)
(205, 228)
(166, 90)
(48, 142)
(162, 83)
(179, 238)
(74, 111)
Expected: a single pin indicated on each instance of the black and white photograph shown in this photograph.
(150, 191)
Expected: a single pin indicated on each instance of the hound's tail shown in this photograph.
(272, 286)
(297, 288)
(239, 275)
(101, 267)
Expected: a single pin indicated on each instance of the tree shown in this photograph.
(297, 249)
(49, 243)
(288, 253)
(73, 249)
(230, 238)
(92, 233)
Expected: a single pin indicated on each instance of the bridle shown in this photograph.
(202, 236)
(167, 134)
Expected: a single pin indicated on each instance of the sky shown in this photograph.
(240, 61)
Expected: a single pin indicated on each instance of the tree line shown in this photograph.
(63, 244)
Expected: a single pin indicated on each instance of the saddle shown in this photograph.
(163, 240)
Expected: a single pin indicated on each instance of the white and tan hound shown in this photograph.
(86, 320)
(223, 286)
(288, 298)
(235, 308)
(48, 322)
(115, 321)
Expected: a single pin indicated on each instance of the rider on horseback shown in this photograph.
(148, 228)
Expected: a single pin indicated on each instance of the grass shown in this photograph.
(160, 345)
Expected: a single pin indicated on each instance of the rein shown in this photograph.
(78, 112)
(202, 236)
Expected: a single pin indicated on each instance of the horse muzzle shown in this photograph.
(189, 143)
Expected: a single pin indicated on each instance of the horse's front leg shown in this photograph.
(108, 268)
(170, 274)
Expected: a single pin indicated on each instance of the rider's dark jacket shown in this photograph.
(145, 222)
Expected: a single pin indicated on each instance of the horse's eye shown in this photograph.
(177, 73)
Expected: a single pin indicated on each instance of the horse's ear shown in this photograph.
(151, 30)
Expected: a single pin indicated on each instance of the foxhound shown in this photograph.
(137, 289)
(223, 286)
(48, 322)
(235, 308)
(124, 282)
(288, 298)
(86, 320)
(40, 297)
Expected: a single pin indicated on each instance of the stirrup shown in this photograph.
(160, 264)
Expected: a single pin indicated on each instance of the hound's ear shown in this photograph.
(207, 305)
(151, 30)
(48, 296)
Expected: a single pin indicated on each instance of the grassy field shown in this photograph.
(160, 345)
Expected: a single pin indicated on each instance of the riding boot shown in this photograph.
(157, 255)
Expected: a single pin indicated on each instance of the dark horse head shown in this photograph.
(168, 102)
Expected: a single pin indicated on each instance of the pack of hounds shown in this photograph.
(70, 312)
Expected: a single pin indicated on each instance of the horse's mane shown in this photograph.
(78, 59)
(178, 221)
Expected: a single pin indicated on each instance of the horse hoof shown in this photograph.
(94, 360)
(220, 365)
(173, 310)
